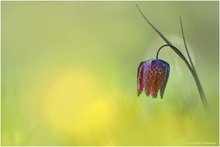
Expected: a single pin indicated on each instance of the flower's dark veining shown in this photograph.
(152, 76)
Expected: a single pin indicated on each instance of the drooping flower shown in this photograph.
(152, 76)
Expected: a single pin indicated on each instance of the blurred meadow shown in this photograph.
(69, 72)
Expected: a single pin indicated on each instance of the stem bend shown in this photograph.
(198, 84)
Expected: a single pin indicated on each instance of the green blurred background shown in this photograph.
(69, 74)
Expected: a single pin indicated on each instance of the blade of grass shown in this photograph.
(184, 41)
(201, 91)
(161, 35)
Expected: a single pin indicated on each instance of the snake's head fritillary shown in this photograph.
(152, 76)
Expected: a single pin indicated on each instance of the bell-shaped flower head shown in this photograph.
(152, 76)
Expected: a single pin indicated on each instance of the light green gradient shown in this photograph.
(69, 74)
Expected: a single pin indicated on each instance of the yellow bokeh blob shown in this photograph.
(75, 103)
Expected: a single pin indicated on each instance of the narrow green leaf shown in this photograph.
(199, 85)
(161, 35)
(184, 41)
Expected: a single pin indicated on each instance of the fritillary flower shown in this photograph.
(152, 76)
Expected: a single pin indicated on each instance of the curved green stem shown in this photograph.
(198, 84)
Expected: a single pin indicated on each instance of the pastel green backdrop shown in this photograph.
(69, 74)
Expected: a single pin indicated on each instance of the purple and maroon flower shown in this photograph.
(152, 76)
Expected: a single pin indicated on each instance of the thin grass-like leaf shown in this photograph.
(159, 33)
(184, 41)
(201, 91)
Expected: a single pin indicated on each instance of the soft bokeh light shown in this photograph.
(69, 74)
(75, 103)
